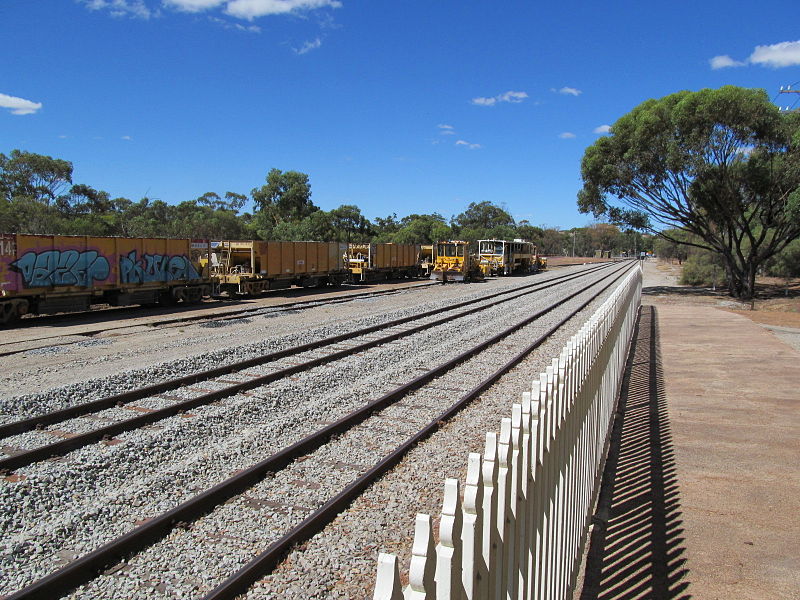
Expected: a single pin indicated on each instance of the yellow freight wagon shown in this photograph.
(383, 261)
(43, 274)
(251, 267)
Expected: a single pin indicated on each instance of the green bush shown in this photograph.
(700, 269)
(786, 263)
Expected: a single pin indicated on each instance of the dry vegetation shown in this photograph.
(777, 300)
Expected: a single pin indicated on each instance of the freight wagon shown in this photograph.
(43, 274)
(253, 267)
(383, 261)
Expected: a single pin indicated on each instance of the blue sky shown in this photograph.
(395, 106)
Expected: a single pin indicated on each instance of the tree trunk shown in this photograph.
(750, 282)
(741, 279)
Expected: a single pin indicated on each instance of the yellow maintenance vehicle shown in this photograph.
(452, 261)
(502, 257)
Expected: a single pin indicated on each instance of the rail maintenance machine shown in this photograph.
(452, 261)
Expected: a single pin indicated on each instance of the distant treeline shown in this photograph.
(37, 195)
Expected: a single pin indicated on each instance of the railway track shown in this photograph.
(154, 320)
(425, 396)
(334, 348)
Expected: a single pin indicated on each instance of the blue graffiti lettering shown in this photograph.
(61, 267)
(155, 267)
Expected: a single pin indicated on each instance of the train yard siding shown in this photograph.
(712, 513)
(335, 562)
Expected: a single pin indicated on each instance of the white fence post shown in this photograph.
(523, 541)
(421, 584)
(533, 498)
(387, 584)
(491, 537)
(503, 503)
(515, 491)
(448, 552)
(473, 571)
(541, 493)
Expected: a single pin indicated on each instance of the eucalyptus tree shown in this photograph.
(721, 164)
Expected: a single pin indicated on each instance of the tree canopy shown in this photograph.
(37, 195)
(286, 197)
(723, 165)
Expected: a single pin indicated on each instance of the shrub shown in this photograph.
(700, 269)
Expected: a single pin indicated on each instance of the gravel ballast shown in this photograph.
(72, 505)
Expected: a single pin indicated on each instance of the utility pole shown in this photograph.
(788, 90)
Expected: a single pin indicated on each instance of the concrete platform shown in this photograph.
(701, 493)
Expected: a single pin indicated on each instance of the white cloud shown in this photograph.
(567, 135)
(121, 8)
(446, 129)
(194, 5)
(602, 129)
(309, 46)
(724, 61)
(468, 145)
(512, 97)
(569, 91)
(127, 138)
(251, 9)
(242, 9)
(235, 26)
(785, 54)
(19, 106)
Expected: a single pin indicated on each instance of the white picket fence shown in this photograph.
(520, 530)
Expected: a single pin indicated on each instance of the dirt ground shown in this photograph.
(776, 306)
(777, 301)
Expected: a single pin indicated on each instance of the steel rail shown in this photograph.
(88, 566)
(61, 447)
(265, 563)
(229, 316)
(40, 421)
(299, 304)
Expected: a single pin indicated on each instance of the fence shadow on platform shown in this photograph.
(636, 546)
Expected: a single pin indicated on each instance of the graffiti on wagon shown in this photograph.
(155, 267)
(61, 267)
